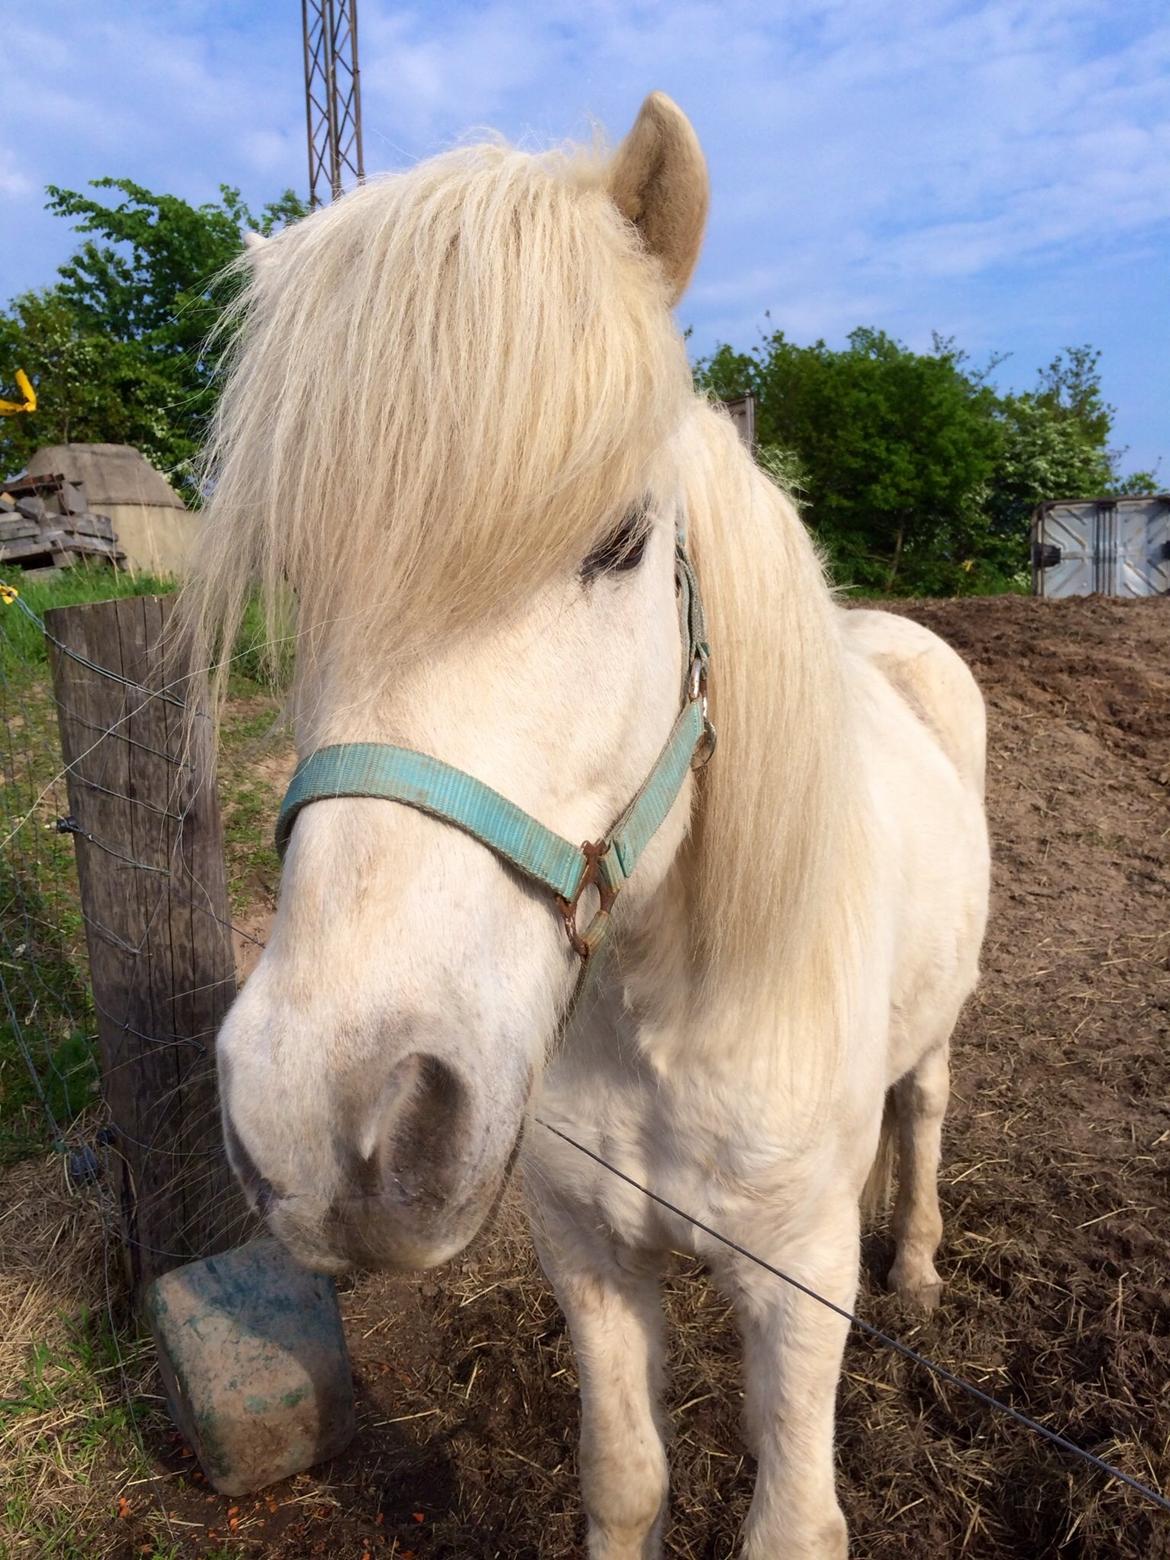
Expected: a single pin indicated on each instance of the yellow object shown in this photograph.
(8, 593)
(29, 404)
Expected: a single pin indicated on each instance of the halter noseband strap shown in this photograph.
(394, 774)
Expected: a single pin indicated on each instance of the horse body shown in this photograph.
(801, 931)
(701, 1107)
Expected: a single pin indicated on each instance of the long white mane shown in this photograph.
(445, 388)
(444, 384)
(778, 860)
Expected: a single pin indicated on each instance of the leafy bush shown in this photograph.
(117, 347)
(914, 473)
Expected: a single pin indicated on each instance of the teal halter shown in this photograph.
(375, 769)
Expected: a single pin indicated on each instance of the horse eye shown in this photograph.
(622, 550)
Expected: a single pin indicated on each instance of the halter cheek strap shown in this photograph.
(394, 774)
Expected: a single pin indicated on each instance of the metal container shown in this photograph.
(1102, 546)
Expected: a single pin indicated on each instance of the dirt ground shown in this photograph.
(1054, 1187)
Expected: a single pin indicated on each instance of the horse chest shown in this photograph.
(710, 1157)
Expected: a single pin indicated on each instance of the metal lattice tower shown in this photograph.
(333, 99)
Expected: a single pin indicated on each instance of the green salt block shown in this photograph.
(254, 1362)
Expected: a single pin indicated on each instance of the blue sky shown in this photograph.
(996, 171)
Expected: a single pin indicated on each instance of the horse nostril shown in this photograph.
(422, 1101)
(264, 1197)
(416, 1127)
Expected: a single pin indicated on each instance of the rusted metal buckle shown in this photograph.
(583, 944)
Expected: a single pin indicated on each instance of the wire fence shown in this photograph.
(115, 970)
(50, 1068)
(153, 905)
(915, 1356)
(117, 996)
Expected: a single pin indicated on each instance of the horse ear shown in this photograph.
(254, 243)
(658, 181)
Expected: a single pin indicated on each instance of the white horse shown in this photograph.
(460, 427)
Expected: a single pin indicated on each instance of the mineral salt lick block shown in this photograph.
(254, 1362)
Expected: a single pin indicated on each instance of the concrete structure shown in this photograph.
(154, 528)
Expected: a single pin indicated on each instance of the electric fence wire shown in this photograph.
(889, 1342)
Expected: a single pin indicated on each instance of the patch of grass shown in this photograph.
(63, 1419)
(254, 659)
(252, 717)
(250, 745)
(42, 1095)
(86, 1349)
(46, 1019)
(23, 644)
(267, 664)
(52, 1535)
(248, 841)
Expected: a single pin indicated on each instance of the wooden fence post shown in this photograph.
(154, 897)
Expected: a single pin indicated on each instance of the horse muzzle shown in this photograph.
(410, 1183)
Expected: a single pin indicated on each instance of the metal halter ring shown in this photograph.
(697, 681)
(591, 877)
(697, 690)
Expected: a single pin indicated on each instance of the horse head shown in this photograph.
(448, 429)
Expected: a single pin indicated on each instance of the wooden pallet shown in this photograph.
(46, 522)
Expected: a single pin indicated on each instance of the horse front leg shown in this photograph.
(613, 1305)
(792, 1361)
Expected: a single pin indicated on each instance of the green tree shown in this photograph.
(1055, 444)
(116, 348)
(914, 472)
(1045, 453)
(1070, 390)
(895, 449)
(1138, 482)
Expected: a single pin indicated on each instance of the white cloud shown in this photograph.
(927, 141)
(269, 151)
(13, 181)
(160, 95)
(910, 163)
